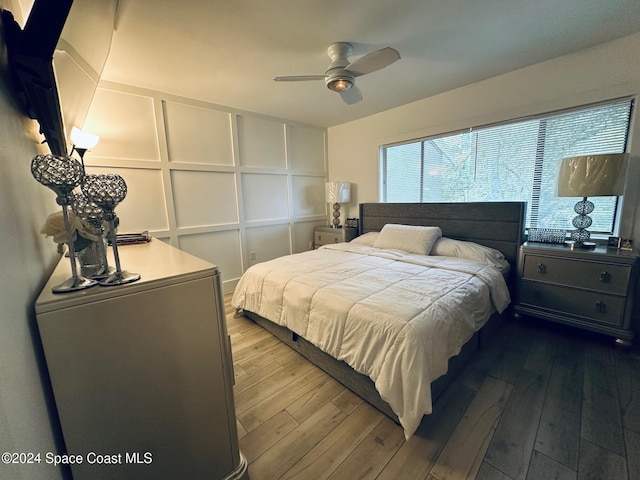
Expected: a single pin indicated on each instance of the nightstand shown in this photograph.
(593, 289)
(326, 235)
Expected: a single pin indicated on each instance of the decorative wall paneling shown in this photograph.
(232, 187)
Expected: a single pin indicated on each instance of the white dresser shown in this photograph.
(142, 373)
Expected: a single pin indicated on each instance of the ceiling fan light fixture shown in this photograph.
(340, 84)
(341, 74)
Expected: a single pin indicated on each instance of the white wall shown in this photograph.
(27, 414)
(231, 187)
(607, 71)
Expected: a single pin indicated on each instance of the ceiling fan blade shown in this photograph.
(373, 61)
(351, 95)
(298, 78)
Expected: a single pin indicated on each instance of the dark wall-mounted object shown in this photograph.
(57, 61)
(30, 54)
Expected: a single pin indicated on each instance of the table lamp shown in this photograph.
(590, 176)
(337, 193)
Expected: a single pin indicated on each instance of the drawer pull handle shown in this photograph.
(605, 277)
(542, 268)
(537, 294)
(601, 306)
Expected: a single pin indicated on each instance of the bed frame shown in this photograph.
(498, 225)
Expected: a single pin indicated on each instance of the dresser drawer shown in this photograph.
(598, 276)
(597, 306)
(323, 238)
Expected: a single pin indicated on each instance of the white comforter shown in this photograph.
(393, 316)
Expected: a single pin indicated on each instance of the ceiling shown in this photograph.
(227, 52)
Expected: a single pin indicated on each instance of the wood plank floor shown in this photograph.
(540, 402)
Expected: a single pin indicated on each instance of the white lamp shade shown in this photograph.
(592, 175)
(338, 192)
(82, 139)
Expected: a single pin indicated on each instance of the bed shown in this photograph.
(390, 321)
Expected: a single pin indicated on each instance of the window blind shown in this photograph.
(513, 161)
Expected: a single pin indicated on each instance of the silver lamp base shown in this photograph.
(336, 215)
(580, 236)
(74, 283)
(119, 278)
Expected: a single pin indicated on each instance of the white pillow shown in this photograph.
(366, 239)
(449, 247)
(408, 238)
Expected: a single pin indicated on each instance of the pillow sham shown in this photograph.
(366, 239)
(469, 250)
(408, 238)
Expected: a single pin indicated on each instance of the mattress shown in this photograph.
(393, 316)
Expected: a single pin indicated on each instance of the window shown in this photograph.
(514, 161)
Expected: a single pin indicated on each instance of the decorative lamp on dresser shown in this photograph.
(593, 289)
(327, 235)
(142, 373)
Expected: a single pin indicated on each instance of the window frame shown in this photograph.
(617, 210)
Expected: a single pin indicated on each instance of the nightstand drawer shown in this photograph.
(583, 274)
(601, 307)
(328, 235)
(323, 238)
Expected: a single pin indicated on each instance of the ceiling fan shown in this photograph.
(341, 75)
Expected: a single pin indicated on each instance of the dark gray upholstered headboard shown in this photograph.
(498, 225)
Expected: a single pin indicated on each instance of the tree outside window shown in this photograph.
(515, 161)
